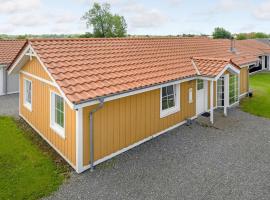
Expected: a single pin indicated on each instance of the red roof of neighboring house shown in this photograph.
(90, 68)
(9, 50)
(253, 46)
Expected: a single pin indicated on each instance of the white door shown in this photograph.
(201, 100)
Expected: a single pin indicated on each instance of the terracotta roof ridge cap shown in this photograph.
(211, 58)
(115, 38)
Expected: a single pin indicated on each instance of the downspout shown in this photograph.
(101, 103)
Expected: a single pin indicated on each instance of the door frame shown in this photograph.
(205, 85)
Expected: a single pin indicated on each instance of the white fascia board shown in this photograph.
(248, 64)
(71, 105)
(130, 93)
(18, 63)
(229, 67)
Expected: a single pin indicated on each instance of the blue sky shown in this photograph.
(152, 17)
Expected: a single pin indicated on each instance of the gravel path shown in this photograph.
(228, 161)
(9, 105)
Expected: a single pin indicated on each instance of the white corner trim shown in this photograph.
(79, 140)
(137, 144)
(38, 78)
(176, 108)
(54, 147)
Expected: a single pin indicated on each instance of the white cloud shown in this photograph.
(28, 19)
(174, 2)
(139, 16)
(6, 28)
(12, 6)
(66, 17)
(262, 12)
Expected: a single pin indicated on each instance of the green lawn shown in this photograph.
(26, 170)
(259, 104)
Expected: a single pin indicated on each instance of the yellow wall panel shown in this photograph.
(35, 68)
(244, 80)
(123, 122)
(39, 117)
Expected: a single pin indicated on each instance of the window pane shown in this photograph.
(27, 90)
(59, 111)
(233, 93)
(171, 103)
(164, 103)
(170, 90)
(164, 91)
(200, 84)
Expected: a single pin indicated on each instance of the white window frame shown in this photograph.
(176, 108)
(236, 86)
(54, 126)
(25, 103)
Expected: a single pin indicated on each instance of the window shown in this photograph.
(27, 98)
(57, 114)
(234, 89)
(169, 100)
(200, 84)
(190, 95)
(220, 92)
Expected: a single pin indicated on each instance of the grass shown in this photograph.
(259, 104)
(29, 168)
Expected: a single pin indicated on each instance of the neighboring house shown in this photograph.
(92, 99)
(8, 51)
(264, 40)
(258, 48)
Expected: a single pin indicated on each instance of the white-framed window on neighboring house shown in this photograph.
(233, 89)
(169, 100)
(190, 95)
(58, 114)
(27, 94)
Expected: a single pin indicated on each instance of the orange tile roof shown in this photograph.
(90, 68)
(9, 50)
(210, 67)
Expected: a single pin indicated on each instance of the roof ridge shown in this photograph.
(117, 38)
(211, 58)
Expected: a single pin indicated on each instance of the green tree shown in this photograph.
(221, 33)
(260, 35)
(104, 23)
(241, 36)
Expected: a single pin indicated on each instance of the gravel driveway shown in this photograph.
(228, 161)
(9, 105)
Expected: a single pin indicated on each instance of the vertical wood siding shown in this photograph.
(123, 122)
(34, 67)
(40, 115)
(244, 80)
